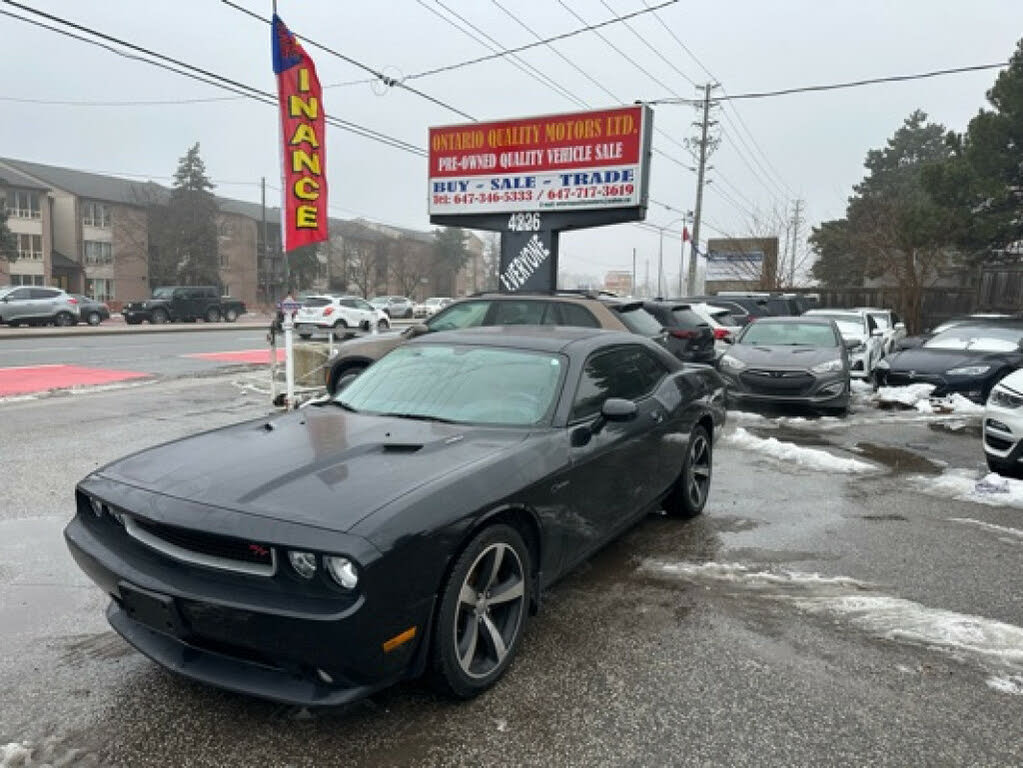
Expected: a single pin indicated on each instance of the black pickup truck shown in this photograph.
(184, 303)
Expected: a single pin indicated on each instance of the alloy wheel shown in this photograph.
(490, 609)
(698, 476)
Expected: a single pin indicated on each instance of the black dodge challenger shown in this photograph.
(405, 526)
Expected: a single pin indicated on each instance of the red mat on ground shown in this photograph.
(40, 378)
(254, 356)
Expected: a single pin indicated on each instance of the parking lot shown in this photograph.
(850, 596)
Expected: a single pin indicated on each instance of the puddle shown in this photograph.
(791, 434)
(767, 556)
(899, 460)
(889, 518)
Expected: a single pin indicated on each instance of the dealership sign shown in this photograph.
(735, 265)
(582, 161)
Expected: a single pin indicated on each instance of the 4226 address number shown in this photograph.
(524, 222)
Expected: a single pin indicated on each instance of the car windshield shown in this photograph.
(881, 318)
(163, 293)
(977, 339)
(638, 320)
(764, 332)
(462, 384)
(467, 314)
(850, 326)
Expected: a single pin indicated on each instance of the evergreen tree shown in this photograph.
(183, 234)
(449, 256)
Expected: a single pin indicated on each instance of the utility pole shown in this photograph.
(706, 147)
(795, 239)
(660, 264)
(646, 280)
(266, 247)
(633, 286)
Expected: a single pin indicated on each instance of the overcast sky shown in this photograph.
(809, 146)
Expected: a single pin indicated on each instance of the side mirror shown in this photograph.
(418, 329)
(614, 409)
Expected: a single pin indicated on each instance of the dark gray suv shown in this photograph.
(36, 305)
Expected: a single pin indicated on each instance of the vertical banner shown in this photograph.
(303, 158)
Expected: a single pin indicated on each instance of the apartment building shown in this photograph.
(29, 218)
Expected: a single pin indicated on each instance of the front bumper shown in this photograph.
(1003, 433)
(261, 636)
(136, 314)
(827, 391)
(972, 388)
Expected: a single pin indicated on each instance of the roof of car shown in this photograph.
(545, 338)
(831, 312)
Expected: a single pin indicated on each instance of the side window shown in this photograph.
(628, 372)
(179, 293)
(468, 314)
(19, 295)
(576, 315)
(365, 305)
(44, 293)
(519, 313)
(349, 303)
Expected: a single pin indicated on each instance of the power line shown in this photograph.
(842, 85)
(647, 43)
(355, 63)
(543, 41)
(197, 73)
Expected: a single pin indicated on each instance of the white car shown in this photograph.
(322, 313)
(889, 322)
(861, 327)
(1003, 425)
(720, 319)
(431, 306)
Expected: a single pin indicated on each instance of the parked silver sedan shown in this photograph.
(37, 305)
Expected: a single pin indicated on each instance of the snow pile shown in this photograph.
(910, 396)
(954, 403)
(1009, 684)
(794, 455)
(994, 646)
(15, 754)
(964, 485)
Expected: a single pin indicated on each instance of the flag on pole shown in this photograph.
(303, 151)
(685, 234)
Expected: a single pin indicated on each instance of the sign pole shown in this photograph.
(289, 361)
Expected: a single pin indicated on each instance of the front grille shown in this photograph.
(202, 548)
(997, 443)
(902, 378)
(773, 382)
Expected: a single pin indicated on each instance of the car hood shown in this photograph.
(321, 465)
(372, 346)
(925, 360)
(769, 355)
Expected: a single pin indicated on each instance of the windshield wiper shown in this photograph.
(343, 404)
(419, 417)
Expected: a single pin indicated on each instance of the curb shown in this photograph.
(125, 330)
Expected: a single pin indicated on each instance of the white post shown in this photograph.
(289, 360)
(273, 365)
(330, 343)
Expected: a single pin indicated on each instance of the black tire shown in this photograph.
(159, 317)
(487, 632)
(1003, 468)
(230, 314)
(305, 335)
(689, 495)
(383, 325)
(93, 318)
(340, 325)
(64, 319)
(212, 315)
(344, 376)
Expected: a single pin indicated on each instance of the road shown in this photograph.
(835, 610)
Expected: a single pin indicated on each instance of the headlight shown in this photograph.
(1005, 399)
(304, 563)
(342, 570)
(831, 366)
(732, 363)
(969, 370)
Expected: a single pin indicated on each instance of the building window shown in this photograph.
(223, 259)
(226, 290)
(225, 229)
(24, 204)
(30, 247)
(95, 214)
(99, 288)
(26, 279)
(95, 252)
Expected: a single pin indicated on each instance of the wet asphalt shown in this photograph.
(628, 663)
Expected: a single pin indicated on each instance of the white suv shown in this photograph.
(36, 305)
(321, 313)
(1003, 425)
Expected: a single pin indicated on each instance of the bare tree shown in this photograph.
(408, 265)
(362, 258)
